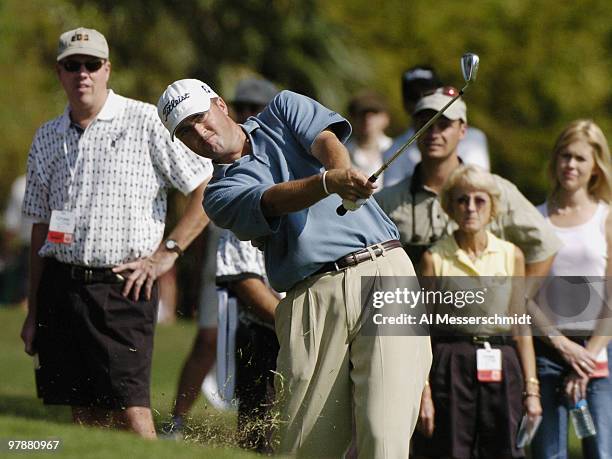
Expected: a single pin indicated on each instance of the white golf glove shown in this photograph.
(353, 205)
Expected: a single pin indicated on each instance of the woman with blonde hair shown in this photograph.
(571, 359)
(467, 410)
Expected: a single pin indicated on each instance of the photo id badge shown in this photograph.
(489, 364)
(601, 365)
(61, 227)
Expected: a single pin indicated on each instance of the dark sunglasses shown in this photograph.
(75, 66)
(479, 201)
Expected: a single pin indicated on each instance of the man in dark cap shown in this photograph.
(252, 95)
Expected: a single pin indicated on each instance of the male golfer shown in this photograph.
(276, 183)
(250, 98)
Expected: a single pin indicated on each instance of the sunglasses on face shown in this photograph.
(73, 66)
(479, 201)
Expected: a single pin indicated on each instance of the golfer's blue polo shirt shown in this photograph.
(298, 244)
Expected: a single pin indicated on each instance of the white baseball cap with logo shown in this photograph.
(438, 99)
(182, 99)
(89, 42)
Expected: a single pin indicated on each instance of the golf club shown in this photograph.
(469, 69)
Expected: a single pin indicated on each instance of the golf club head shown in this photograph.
(469, 66)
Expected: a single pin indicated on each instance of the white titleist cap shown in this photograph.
(182, 99)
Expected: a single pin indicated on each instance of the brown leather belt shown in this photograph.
(353, 259)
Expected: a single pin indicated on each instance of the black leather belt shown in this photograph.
(353, 259)
(91, 275)
(494, 340)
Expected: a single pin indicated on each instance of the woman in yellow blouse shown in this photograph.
(467, 411)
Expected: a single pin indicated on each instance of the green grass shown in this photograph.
(81, 442)
(23, 416)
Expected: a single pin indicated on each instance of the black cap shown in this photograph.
(416, 81)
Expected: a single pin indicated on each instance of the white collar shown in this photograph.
(112, 107)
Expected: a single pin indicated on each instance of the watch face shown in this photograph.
(173, 246)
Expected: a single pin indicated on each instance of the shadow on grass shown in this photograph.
(32, 408)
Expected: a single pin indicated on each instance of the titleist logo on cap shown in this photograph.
(172, 104)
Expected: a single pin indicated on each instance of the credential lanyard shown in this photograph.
(68, 204)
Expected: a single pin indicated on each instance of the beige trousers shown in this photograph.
(328, 370)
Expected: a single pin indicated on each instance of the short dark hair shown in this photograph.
(367, 101)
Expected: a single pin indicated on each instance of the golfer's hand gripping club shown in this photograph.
(347, 204)
(469, 68)
(342, 209)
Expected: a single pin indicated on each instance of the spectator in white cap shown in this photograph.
(96, 189)
(472, 149)
(414, 203)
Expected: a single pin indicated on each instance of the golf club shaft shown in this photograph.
(341, 210)
(415, 136)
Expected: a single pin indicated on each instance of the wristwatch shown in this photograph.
(173, 246)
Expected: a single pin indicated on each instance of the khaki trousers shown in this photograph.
(327, 370)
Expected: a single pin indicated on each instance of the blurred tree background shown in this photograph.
(543, 63)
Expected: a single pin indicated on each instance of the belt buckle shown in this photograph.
(479, 339)
(87, 275)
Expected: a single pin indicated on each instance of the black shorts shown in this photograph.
(94, 345)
